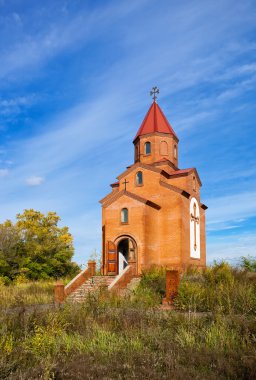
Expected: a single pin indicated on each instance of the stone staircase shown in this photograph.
(91, 285)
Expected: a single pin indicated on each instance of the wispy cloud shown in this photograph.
(231, 248)
(34, 181)
(231, 207)
(33, 50)
(221, 227)
(4, 172)
(114, 58)
(14, 106)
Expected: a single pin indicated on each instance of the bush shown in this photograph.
(154, 279)
(248, 263)
(219, 288)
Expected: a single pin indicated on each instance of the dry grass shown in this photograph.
(108, 337)
(29, 293)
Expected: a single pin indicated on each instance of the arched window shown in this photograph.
(175, 151)
(124, 215)
(139, 178)
(163, 148)
(147, 147)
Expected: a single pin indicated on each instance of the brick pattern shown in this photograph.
(156, 142)
(172, 286)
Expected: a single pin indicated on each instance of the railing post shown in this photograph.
(92, 267)
(59, 293)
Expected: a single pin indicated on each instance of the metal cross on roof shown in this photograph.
(153, 92)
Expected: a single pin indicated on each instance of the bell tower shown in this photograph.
(156, 140)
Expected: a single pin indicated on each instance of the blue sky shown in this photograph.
(74, 88)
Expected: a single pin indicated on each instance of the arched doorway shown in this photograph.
(126, 250)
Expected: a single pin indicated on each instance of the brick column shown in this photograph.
(172, 285)
(59, 293)
(92, 267)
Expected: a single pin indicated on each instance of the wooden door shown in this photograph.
(112, 262)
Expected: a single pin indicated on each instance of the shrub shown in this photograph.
(154, 279)
(248, 263)
(219, 273)
(220, 289)
(192, 296)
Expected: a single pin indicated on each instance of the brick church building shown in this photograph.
(153, 215)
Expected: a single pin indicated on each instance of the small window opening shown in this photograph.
(139, 178)
(194, 183)
(124, 215)
(147, 147)
(175, 151)
(136, 153)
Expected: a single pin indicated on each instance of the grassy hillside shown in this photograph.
(211, 335)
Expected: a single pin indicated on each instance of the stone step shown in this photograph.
(91, 285)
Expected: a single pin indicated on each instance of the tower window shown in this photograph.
(194, 183)
(139, 178)
(147, 147)
(124, 215)
(175, 151)
(137, 153)
(163, 148)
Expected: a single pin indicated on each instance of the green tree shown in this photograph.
(36, 247)
(9, 241)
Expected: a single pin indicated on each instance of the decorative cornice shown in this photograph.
(155, 134)
(133, 196)
(165, 162)
(175, 188)
(138, 165)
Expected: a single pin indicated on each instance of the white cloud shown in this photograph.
(34, 181)
(4, 172)
(13, 106)
(17, 18)
(221, 227)
(231, 248)
(33, 50)
(181, 48)
(231, 208)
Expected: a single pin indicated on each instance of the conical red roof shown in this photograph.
(155, 121)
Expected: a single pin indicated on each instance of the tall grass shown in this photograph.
(28, 293)
(219, 288)
(112, 337)
(98, 340)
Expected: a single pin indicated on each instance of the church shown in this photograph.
(153, 216)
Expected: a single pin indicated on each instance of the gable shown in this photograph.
(132, 196)
(137, 166)
(175, 189)
(184, 173)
